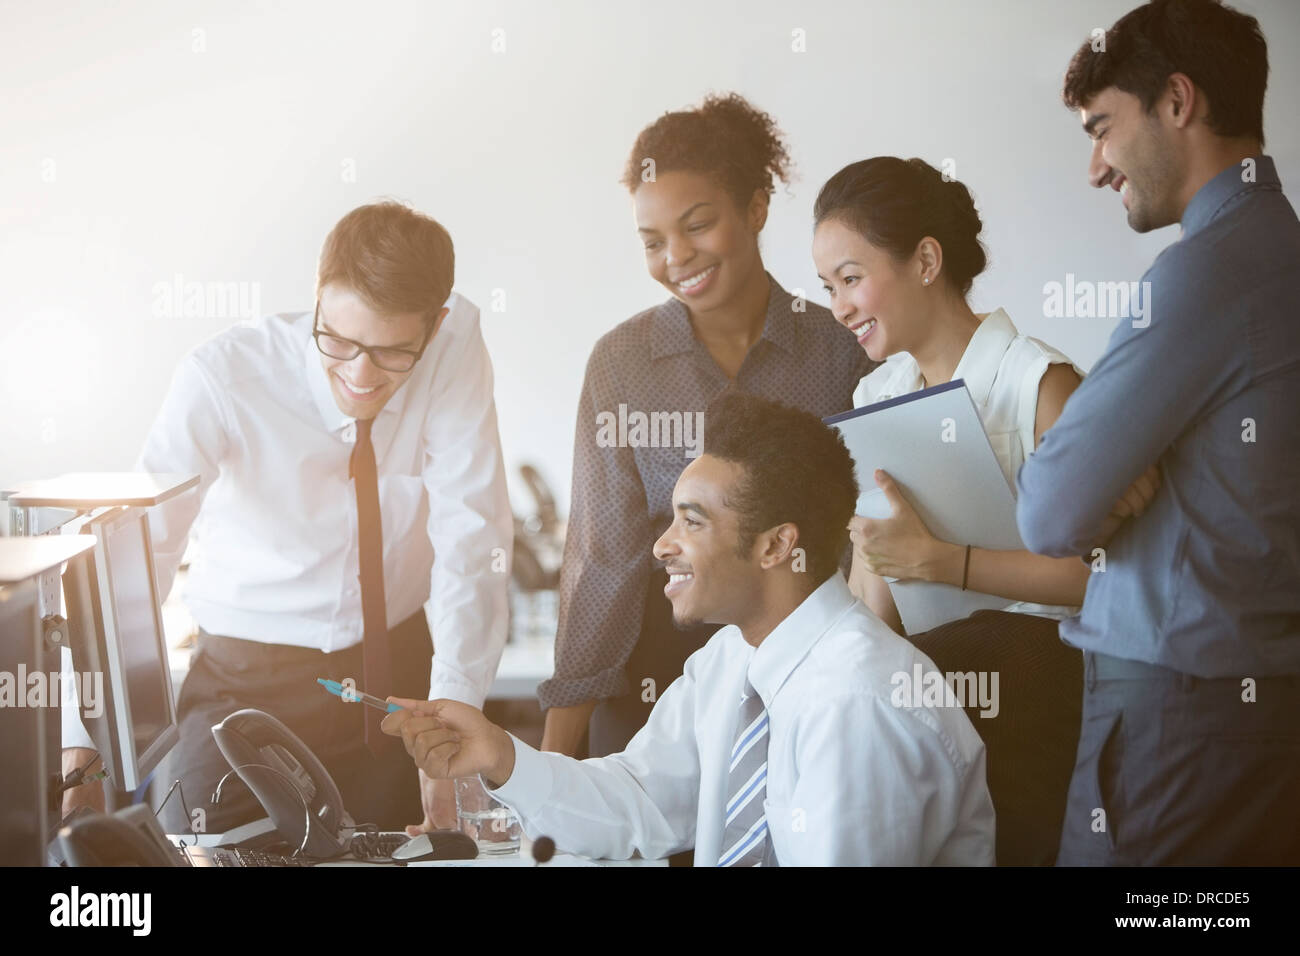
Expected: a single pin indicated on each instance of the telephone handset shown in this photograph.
(289, 781)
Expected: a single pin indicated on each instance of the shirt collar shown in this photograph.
(1214, 196)
(790, 641)
(903, 380)
(318, 381)
(671, 334)
(983, 356)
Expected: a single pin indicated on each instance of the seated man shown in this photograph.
(802, 684)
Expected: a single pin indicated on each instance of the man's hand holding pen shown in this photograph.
(448, 739)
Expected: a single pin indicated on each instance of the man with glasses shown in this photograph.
(352, 499)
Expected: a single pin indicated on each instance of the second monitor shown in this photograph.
(116, 628)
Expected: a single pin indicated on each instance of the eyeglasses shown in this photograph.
(390, 360)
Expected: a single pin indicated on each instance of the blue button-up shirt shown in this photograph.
(1207, 580)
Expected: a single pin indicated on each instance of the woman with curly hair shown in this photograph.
(700, 181)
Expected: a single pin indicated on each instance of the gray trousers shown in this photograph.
(1178, 770)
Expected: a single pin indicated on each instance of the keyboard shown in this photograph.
(365, 847)
(376, 847)
(241, 856)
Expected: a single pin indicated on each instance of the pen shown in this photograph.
(351, 694)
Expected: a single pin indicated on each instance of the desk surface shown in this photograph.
(560, 859)
(513, 860)
(28, 557)
(523, 858)
(90, 489)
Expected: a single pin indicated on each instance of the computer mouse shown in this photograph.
(436, 845)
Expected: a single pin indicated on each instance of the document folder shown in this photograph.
(933, 444)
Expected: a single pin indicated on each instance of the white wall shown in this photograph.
(129, 157)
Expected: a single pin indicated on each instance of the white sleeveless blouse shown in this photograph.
(1002, 370)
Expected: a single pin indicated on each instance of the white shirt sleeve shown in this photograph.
(643, 800)
(74, 732)
(895, 792)
(188, 436)
(471, 526)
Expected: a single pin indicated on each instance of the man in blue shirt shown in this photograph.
(1190, 745)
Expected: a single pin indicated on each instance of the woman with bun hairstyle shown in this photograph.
(700, 182)
(897, 247)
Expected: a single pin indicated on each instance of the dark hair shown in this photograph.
(895, 203)
(726, 138)
(1221, 49)
(796, 469)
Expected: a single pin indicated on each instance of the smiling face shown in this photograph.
(361, 388)
(1132, 154)
(871, 293)
(710, 580)
(698, 244)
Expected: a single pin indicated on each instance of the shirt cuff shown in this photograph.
(529, 786)
(452, 687)
(73, 729)
(74, 732)
(570, 691)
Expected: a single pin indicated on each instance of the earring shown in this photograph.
(926, 280)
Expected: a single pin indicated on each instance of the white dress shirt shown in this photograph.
(251, 412)
(1002, 370)
(852, 778)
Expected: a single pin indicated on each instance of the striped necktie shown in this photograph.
(745, 837)
(374, 614)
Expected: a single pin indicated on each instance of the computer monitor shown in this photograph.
(29, 731)
(116, 628)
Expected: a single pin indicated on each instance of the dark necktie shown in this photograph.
(370, 543)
